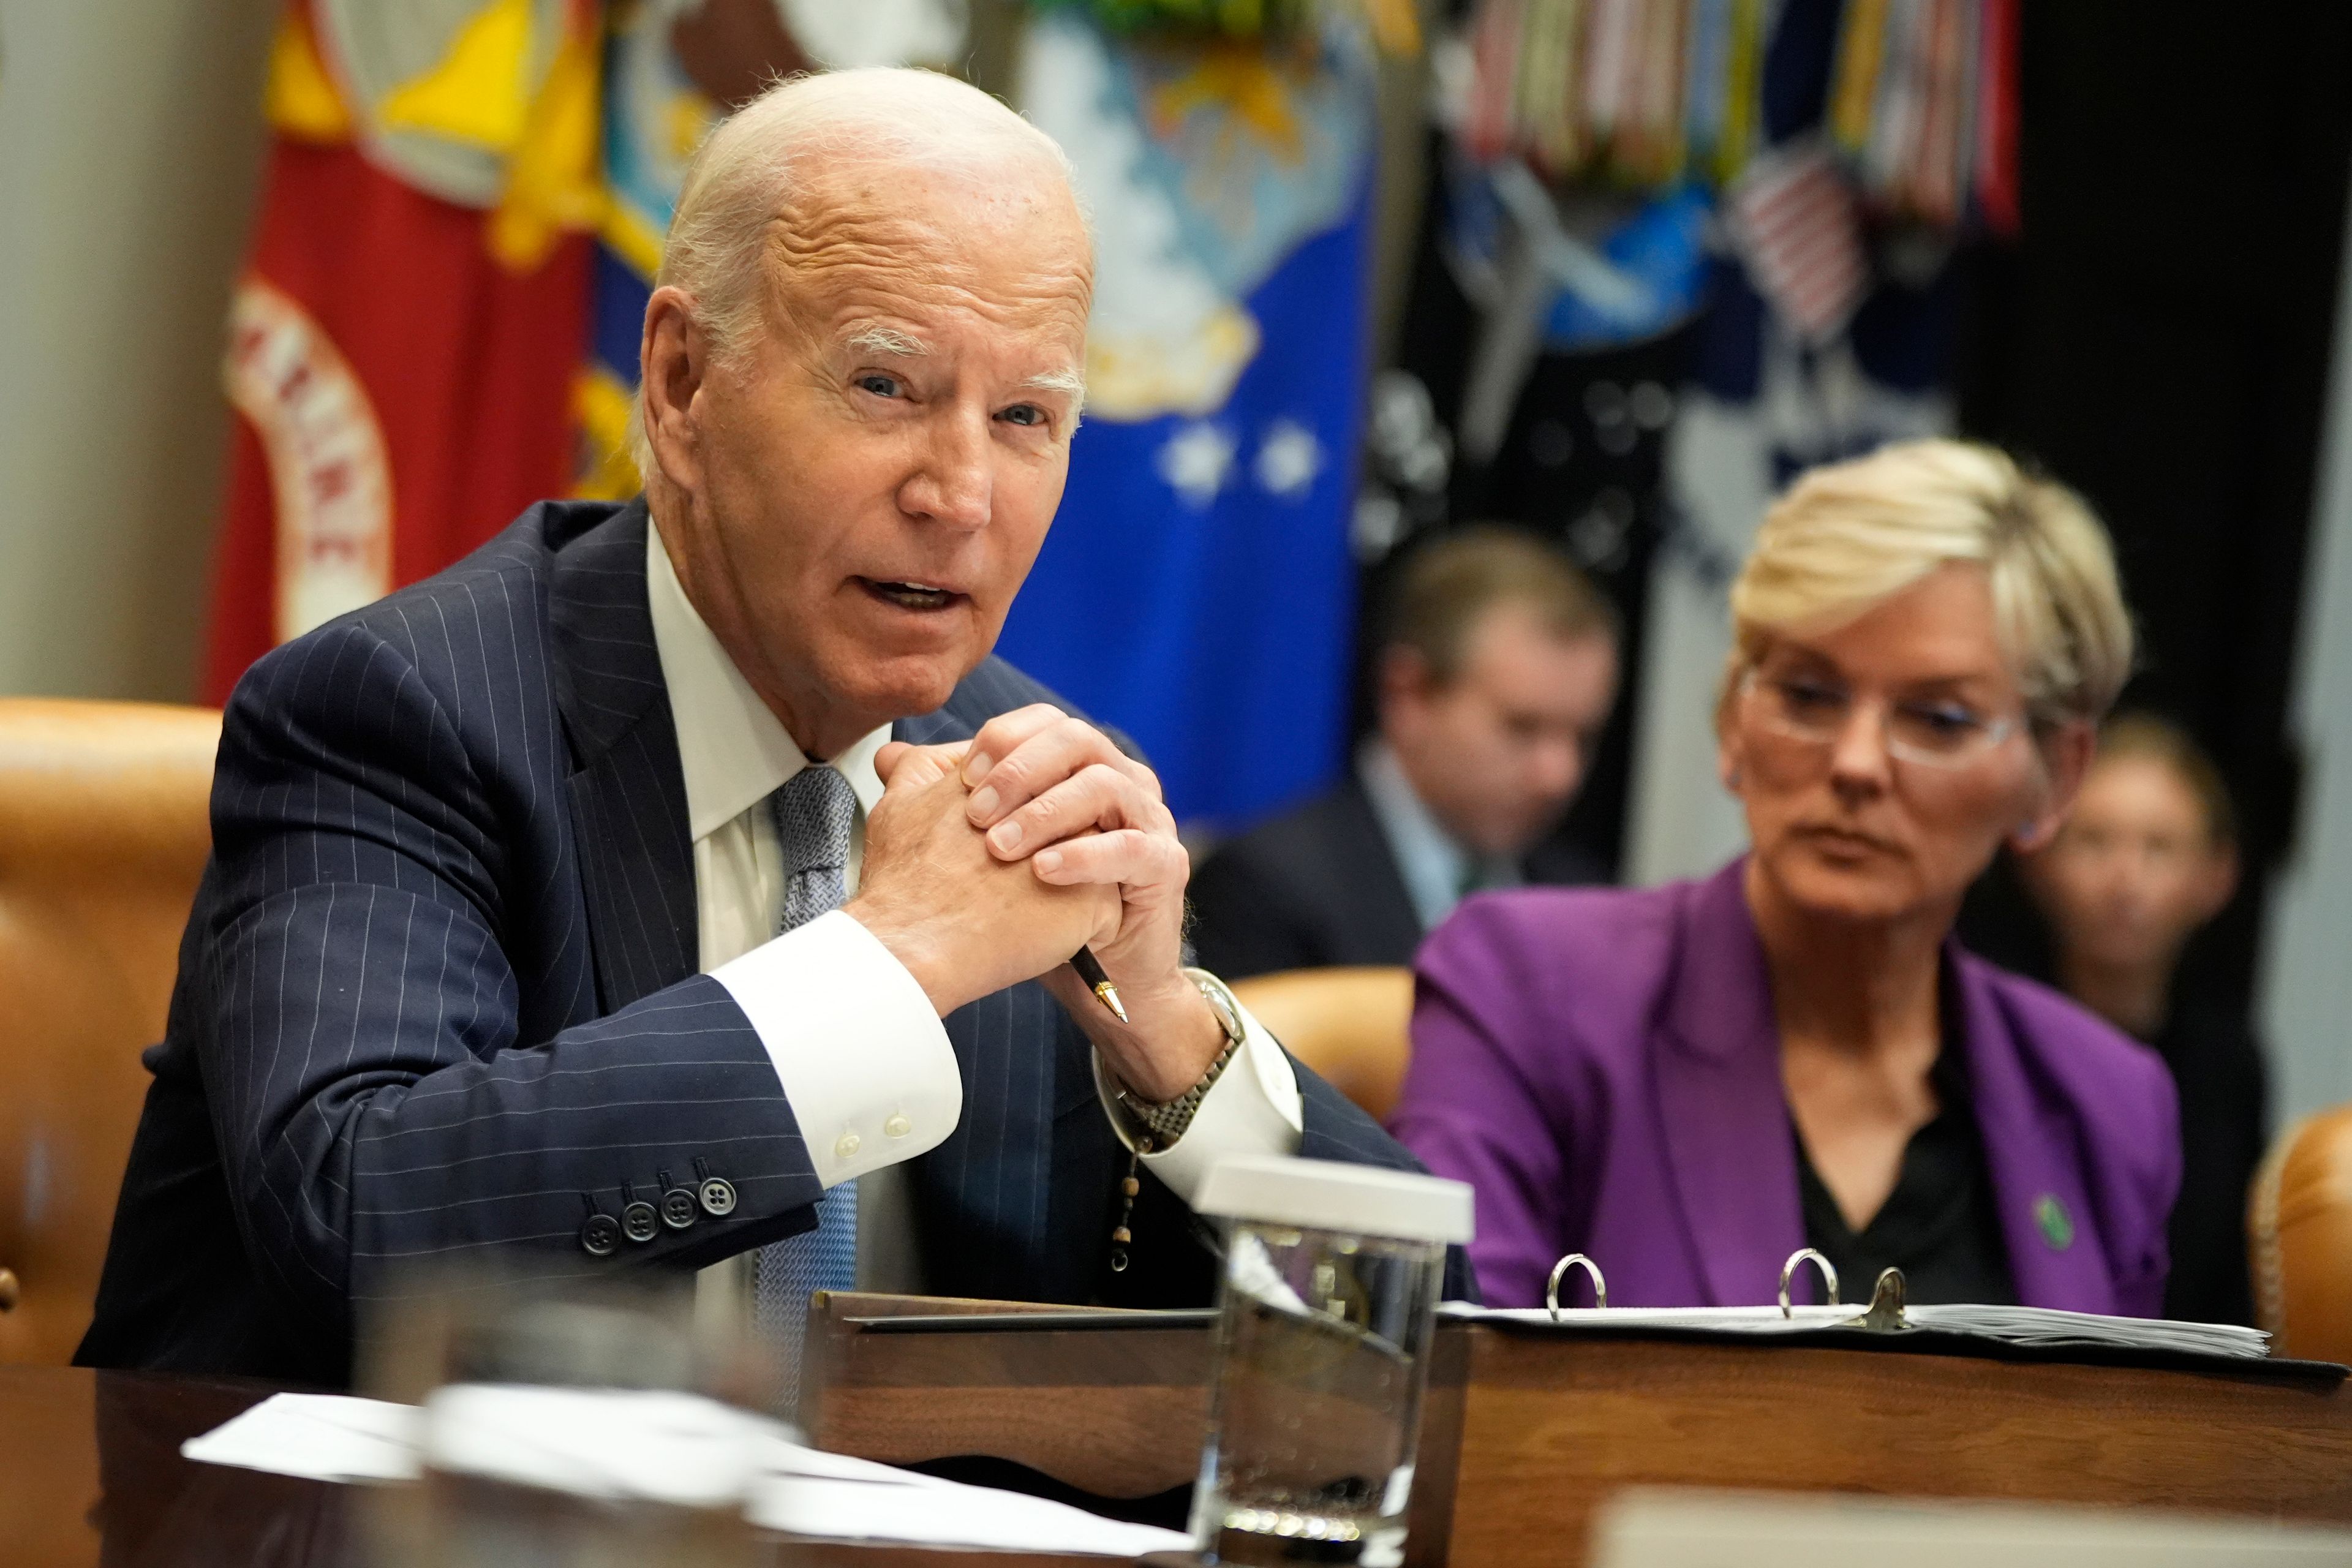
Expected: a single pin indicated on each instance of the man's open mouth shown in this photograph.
(911, 596)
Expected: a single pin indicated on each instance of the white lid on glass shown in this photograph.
(1325, 1194)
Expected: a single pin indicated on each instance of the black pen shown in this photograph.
(1090, 970)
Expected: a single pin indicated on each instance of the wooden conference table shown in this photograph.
(90, 1473)
(1524, 1436)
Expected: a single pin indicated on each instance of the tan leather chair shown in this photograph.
(103, 833)
(2299, 1236)
(1352, 1026)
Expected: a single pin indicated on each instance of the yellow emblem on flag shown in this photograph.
(479, 93)
(555, 181)
(300, 99)
(603, 406)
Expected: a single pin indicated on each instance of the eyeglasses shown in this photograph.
(1936, 732)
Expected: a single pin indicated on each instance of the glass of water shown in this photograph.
(1332, 1275)
(564, 1425)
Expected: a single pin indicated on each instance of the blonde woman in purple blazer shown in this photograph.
(1691, 1082)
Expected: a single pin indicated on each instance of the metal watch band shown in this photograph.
(1167, 1121)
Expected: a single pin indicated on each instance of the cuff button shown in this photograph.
(897, 1126)
(600, 1235)
(846, 1146)
(717, 1197)
(678, 1208)
(639, 1222)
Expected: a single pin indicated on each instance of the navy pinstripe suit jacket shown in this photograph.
(438, 998)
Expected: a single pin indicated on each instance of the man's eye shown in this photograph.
(880, 386)
(1023, 414)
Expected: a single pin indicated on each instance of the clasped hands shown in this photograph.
(991, 861)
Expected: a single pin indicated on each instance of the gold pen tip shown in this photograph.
(1109, 994)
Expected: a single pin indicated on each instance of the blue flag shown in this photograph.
(1197, 588)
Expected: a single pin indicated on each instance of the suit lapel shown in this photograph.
(627, 795)
(2056, 1256)
(1722, 1111)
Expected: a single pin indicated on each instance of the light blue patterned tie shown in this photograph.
(814, 811)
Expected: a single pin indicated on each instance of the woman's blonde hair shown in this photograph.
(1847, 536)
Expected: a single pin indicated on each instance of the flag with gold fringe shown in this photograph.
(405, 338)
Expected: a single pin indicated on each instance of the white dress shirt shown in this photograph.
(1434, 867)
(864, 1061)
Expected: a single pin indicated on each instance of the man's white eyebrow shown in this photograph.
(881, 339)
(1067, 381)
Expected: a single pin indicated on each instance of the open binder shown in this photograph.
(1888, 1323)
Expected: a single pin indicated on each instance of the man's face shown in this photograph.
(1496, 753)
(2133, 871)
(869, 487)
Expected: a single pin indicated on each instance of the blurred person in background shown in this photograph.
(1496, 670)
(1691, 1082)
(2146, 857)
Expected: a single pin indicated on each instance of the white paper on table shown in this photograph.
(321, 1436)
(804, 1491)
(653, 1445)
(946, 1513)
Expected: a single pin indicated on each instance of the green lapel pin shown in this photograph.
(2056, 1224)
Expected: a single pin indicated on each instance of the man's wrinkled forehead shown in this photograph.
(891, 246)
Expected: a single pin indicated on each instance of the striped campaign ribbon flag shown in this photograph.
(1793, 218)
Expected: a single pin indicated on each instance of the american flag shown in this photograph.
(1794, 220)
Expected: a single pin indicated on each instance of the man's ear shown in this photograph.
(1404, 677)
(2065, 757)
(673, 360)
(2220, 882)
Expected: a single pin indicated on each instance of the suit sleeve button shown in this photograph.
(897, 1126)
(678, 1208)
(600, 1235)
(717, 1197)
(639, 1222)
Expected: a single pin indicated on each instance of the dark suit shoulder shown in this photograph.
(1315, 885)
(485, 614)
(1307, 841)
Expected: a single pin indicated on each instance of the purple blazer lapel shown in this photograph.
(1723, 1112)
(2056, 1256)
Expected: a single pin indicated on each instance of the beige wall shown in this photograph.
(2306, 992)
(131, 142)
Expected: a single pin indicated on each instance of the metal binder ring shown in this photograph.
(1789, 1272)
(1592, 1272)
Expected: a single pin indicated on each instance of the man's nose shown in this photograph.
(956, 483)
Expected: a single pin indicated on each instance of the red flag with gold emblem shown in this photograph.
(404, 343)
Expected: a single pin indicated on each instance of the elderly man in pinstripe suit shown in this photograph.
(683, 883)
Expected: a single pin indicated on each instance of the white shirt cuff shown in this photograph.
(866, 1065)
(1253, 1108)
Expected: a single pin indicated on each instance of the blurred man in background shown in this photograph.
(2149, 856)
(1496, 668)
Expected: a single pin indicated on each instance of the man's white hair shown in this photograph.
(740, 178)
